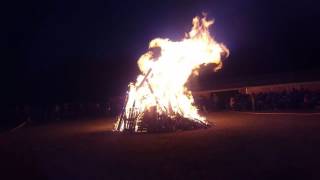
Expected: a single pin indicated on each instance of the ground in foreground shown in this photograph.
(238, 146)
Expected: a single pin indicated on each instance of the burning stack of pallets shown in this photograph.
(151, 121)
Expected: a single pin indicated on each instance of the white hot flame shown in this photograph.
(165, 69)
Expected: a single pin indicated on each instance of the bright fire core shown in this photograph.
(165, 70)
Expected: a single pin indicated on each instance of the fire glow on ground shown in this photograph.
(240, 146)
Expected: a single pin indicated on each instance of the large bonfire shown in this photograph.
(159, 99)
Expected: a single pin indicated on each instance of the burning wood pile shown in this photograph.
(159, 99)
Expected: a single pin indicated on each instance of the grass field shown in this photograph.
(238, 146)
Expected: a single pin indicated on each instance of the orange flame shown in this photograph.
(166, 68)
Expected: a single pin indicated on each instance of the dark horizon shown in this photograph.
(58, 51)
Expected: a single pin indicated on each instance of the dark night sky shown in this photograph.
(87, 50)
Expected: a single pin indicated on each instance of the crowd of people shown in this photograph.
(294, 100)
(61, 111)
(41, 113)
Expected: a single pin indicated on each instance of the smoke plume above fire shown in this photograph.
(165, 69)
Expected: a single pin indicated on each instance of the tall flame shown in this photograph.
(165, 69)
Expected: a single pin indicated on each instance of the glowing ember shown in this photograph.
(165, 69)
